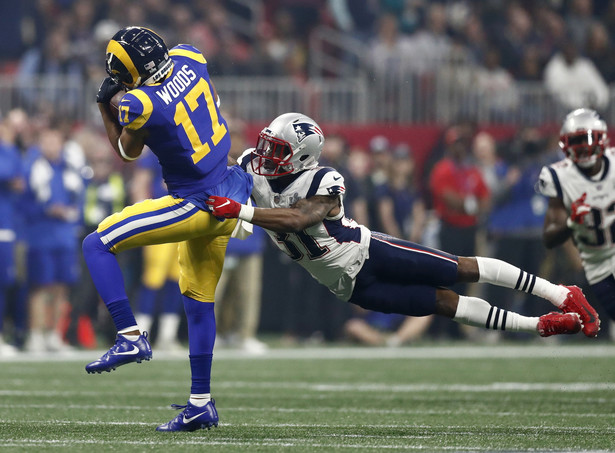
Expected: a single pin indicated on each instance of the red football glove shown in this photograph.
(223, 207)
(578, 210)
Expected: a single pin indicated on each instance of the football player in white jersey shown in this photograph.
(581, 191)
(300, 207)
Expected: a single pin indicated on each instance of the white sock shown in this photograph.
(200, 399)
(501, 273)
(130, 329)
(480, 313)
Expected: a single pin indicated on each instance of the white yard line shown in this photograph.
(459, 350)
(354, 410)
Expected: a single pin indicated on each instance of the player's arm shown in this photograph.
(555, 229)
(128, 144)
(303, 214)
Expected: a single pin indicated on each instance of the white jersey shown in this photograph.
(595, 239)
(333, 250)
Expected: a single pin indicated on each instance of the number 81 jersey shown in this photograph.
(595, 239)
(184, 127)
(333, 250)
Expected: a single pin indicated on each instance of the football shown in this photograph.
(114, 103)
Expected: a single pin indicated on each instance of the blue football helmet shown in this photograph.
(137, 56)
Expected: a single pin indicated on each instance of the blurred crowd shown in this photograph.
(472, 195)
(560, 43)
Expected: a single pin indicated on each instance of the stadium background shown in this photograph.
(409, 71)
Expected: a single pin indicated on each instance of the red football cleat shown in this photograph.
(577, 303)
(555, 323)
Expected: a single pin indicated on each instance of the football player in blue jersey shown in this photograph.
(172, 107)
(301, 208)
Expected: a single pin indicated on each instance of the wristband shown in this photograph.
(122, 153)
(246, 212)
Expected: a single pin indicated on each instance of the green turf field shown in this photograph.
(433, 398)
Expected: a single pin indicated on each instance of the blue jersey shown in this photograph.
(185, 128)
(10, 169)
(49, 184)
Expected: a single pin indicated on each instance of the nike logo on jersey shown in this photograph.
(337, 179)
(134, 351)
(187, 420)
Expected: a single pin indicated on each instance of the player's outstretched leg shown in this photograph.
(569, 299)
(478, 312)
(192, 418)
(122, 352)
(576, 302)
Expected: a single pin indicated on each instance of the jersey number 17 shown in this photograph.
(191, 102)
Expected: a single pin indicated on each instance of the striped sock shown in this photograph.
(478, 312)
(501, 273)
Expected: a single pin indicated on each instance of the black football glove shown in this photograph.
(108, 89)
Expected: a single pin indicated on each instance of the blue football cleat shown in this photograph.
(122, 352)
(192, 418)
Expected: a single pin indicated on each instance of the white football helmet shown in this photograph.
(583, 137)
(290, 144)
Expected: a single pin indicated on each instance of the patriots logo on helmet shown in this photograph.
(304, 129)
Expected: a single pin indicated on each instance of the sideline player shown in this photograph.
(301, 207)
(582, 202)
(171, 106)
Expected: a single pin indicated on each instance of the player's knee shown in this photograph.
(446, 302)
(467, 269)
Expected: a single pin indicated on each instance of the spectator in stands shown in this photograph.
(54, 202)
(21, 133)
(579, 19)
(390, 52)
(380, 154)
(335, 153)
(517, 216)
(517, 35)
(63, 76)
(598, 49)
(460, 199)
(401, 213)
(430, 45)
(400, 207)
(11, 183)
(104, 194)
(460, 195)
(384, 329)
(574, 81)
(495, 87)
